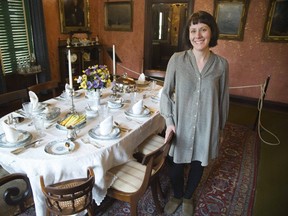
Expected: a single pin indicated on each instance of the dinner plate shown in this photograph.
(95, 133)
(26, 137)
(64, 95)
(144, 113)
(58, 147)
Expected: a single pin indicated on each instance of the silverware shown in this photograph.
(88, 141)
(122, 128)
(26, 146)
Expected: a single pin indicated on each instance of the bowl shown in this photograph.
(114, 104)
(91, 111)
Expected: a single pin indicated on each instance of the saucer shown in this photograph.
(144, 113)
(95, 133)
(24, 138)
(58, 147)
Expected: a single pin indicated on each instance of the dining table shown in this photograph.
(87, 151)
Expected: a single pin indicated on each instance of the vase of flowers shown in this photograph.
(94, 79)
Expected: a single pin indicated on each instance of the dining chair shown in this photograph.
(16, 193)
(133, 178)
(42, 89)
(11, 101)
(71, 196)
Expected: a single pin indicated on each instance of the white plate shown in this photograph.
(113, 107)
(64, 95)
(26, 137)
(95, 133)
(145, 113)
(58, 147)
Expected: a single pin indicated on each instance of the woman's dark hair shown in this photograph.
(202, 17)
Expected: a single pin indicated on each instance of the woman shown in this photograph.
(194, 103)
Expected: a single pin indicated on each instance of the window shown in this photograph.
(15, 34)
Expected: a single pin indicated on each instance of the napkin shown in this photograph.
(33, 100)
(137, 107)
(106, 126)
(11, 134)
(141, 78)
(67, 89)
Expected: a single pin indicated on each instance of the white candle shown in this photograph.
(70, 70)
(114, 62)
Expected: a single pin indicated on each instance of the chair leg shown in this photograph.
(155, 196)
(133, 208)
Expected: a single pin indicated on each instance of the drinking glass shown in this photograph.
(27, 108)
(38, 121)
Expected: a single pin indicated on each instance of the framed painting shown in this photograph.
(74, 16)
(118, 16)
(276, 26)
(231, 18)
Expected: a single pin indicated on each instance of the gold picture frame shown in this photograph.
(118, 16)
(231, 18)
(276, 25)
(74, 16)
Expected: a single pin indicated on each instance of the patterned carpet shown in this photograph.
(227, 187)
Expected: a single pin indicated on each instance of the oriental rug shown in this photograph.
(227, 187)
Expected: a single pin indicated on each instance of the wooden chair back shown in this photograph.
(71, 196)
(17, 193)
(44, 87)
(128, 172)
(158, 75)
(11, 101)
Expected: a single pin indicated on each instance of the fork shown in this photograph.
(88, 141)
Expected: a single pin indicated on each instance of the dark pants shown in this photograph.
(177, 179)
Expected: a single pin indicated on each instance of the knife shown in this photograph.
(26, 146)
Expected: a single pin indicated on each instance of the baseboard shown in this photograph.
(283, 107)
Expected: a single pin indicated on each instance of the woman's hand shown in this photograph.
(169, 129)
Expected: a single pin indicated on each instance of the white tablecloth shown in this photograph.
(54, 168)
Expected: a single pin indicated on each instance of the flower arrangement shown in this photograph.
(94, 77)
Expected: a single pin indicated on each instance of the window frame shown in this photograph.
(16, 38)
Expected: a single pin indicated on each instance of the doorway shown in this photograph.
(165, 22)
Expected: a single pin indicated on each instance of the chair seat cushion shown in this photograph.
(129, 176)
(151, 144)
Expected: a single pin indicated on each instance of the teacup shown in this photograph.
(91, 111)
(115, 103)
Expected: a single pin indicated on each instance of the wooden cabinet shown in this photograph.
(81, 57)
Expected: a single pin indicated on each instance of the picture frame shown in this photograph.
(276, 25)
(231, 18)
(118, 16)
(74, 16)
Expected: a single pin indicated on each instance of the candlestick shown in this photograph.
(114, 63)
(70, 70)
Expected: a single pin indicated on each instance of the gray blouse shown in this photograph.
(197, 104)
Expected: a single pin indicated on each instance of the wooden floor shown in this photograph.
(272, 180)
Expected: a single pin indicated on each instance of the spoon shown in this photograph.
(122, 128)
(67, 144)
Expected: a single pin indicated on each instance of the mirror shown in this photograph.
(165, 23)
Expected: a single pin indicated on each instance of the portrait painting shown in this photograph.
(231, 18)
(118, 16)
(74, 15)
(276, 27)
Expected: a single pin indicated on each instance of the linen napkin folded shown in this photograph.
(11, 134)
(141, 78)
(67, 89)
(106, 126)
(33, 100)
(137, 107)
